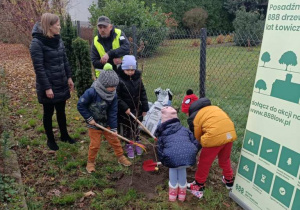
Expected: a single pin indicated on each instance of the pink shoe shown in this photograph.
(173, 192)
(181, 193)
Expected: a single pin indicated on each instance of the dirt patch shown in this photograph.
(146, 182)
(142, 181)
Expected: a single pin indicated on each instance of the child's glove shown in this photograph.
(127, 111)
(170, 94)
(92, 122)
(157, 91)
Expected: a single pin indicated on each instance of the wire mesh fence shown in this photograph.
(230, 74)
(218, 65)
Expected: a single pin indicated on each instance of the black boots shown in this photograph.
(67, 138)
(52, 145)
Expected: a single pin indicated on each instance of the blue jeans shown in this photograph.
(177, 175)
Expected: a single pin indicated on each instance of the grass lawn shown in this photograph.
(60, 181)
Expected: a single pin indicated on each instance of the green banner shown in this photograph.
(268, 171)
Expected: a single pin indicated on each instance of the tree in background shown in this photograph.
(59, 6)
(221, 13)
(128, 13)
(218, 17)
(83, 65)
(195, 19)
(150, 22)
(68, 34)
(22, 15)
(249, 27)
(233, 6)
(101, 3)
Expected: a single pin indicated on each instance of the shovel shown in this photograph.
(141, 124)
(121, 137)
(150, 165)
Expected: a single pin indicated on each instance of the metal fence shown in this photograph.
(230, 73)
(218, 65)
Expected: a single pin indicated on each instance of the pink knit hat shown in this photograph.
(168, 113)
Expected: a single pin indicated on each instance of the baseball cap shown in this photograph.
(103, 20)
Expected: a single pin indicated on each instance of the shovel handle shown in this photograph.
(105, 129)
(121, 137)
(141, 124)
(158, 163)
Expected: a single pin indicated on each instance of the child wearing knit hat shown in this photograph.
(188, 100)
(177, 150)
(99, 104)
(132, 98)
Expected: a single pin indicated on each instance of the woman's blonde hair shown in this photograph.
(48, 20)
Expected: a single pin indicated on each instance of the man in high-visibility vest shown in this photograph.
(109, 45)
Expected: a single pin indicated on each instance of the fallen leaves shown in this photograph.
(35, 160)
(54, 192)
(88, 194)
(226, 204)
(47, 179)
(51, 152)
(20, 76)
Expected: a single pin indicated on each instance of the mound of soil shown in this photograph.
(146, 182)
(142, 181)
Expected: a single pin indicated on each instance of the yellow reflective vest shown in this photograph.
(100, 48)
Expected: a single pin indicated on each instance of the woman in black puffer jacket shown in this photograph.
(53, 75)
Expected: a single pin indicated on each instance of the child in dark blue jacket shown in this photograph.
(177, 150)
(99, 104)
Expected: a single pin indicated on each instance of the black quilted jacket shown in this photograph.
(50, 65)
(131, 93)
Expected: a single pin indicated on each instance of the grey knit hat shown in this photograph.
(108, 78)
(128, 62)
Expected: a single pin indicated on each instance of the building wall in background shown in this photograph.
(78, 9)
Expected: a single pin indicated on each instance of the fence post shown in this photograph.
(78, 28)
(203, 36)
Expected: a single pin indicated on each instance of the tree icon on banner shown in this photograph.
(261, 85)
(288, 58)
(265, 57)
